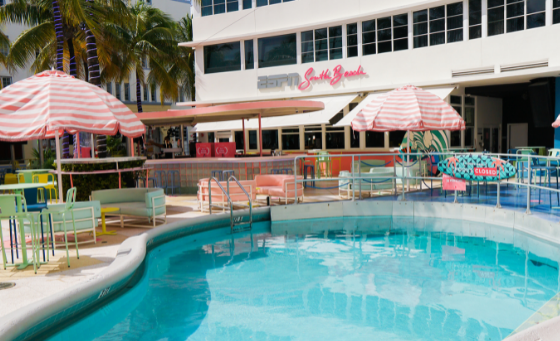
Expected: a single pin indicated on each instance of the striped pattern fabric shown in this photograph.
(409, 109)
(556, 123)
(33, 108)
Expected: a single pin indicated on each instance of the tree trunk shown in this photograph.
(138, 94)
(59, 36)
(93, 62)
(72, 54)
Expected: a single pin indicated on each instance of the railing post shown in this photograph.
(360, 174)
(353, 181)
(498, 198)
(295, 181)
(395, 174)
(403, 181)
(209, 195)
(528, 184)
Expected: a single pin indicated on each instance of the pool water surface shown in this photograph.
(329, 285)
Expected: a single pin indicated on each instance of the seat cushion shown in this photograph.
(134, 209)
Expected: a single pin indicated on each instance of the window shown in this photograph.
(384, 35)
(400, 32)
(149, 2)
(456, 103)
(354, 135)
(335, 135)
(249, 55)
(239, 140)
(222, 57)
(290, 139)
(118, 90)
(495, 17)
(430, 25)
(515, 11)
(536, 13)
(211, 137)
(247, 4)
(210, 7)
(323, 44)
(253, 139)
(475, 19)
(110, 88)
(352, 40)
(375, 139)
(313, 137)
(144, 62)
(455, 22)
(469, 121)
(396, 138)
(368, 37)
(153, 96)
(261, 3)
(146, 99)
(270, 139)
(277, 51)
(126, 91)
(6, 81)
(556, 11)
(5, 48)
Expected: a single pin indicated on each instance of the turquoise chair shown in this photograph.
(63, 210)
(9, 211)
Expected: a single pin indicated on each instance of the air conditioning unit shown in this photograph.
(524, 66)
(472, 72)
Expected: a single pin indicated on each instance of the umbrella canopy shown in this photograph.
(410, 109)
(556, 124)
(50, 101)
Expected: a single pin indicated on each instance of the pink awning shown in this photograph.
(407, 109)
(52, 100)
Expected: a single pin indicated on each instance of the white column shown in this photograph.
(359, 38)
(323, 137)
(484, 18)
(465, 20)
(410, 31)
(347, 131)
(548, 8)
(362, 139)
(240, 5)
(255, 53)
(344, 42)
(280, 139)
(242, 51)
(298, 47)
(387, 140)
(301, 138)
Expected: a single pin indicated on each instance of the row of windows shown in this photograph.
(430, 27)
(212, 7)
(119, 93)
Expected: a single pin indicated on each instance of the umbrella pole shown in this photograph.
(260, 133)
(243, 125)
(58, 167)
(408, 161)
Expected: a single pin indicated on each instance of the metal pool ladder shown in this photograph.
(234, 221)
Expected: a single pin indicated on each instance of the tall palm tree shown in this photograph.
(147, 36)
(182, 65)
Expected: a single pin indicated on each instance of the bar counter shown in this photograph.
(193, 169)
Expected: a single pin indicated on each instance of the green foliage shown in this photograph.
(49, 156)
(115, 146)
(85, 184)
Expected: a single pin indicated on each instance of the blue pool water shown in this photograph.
(406, 284)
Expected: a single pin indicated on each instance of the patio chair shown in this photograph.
(48, 180)
(10, 179)
(161, 179)
(173, 180)
(63, 210)
(323, 161)
(9, 211)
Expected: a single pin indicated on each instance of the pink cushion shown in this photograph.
(236, 193)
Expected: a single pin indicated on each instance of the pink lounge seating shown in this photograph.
(279, 186)
(218, 197)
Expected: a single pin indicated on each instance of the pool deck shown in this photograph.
(55, 276)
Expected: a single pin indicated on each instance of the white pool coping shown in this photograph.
(23, 323)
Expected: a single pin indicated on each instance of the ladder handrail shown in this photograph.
(227, 195)
(248, 197)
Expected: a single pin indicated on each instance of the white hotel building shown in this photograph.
(495, 61)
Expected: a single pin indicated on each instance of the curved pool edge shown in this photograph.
(30, 321)
(34, 319)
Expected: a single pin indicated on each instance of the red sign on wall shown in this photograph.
(485, 172)
(336, 76)
(452, 184)
(204, 149)
(224, 149)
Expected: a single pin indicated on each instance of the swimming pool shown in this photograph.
(314, 280)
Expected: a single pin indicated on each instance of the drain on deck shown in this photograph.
(7, 285)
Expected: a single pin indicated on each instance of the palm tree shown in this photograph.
(182, 65)
(147, 36)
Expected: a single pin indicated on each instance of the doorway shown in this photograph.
(518, 135)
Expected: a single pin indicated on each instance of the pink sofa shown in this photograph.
(218, 197)
(279, 186)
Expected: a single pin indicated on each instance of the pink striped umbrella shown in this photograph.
(51, 101)
(410, 109)
(556, 123)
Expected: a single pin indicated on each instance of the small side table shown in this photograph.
(103, 226)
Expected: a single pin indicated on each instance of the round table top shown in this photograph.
(109, 209)
(33, 170)
(12, 187)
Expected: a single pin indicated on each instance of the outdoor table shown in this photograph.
(541, 150)
(104, 231)
(28, 173)
(172, 151)
(18, 189)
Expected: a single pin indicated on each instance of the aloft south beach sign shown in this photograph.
(310, 76)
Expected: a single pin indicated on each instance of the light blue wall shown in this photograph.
(556, 112)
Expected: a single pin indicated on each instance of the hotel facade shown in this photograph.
(494, 61)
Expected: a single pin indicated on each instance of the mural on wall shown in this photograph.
(477, 168)
(427, 142)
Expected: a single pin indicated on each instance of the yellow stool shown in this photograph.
(10, 179)
(47, 179)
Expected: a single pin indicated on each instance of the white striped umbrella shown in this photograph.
(556, 123)
(409, 109)
(34, 108)
(51, 102)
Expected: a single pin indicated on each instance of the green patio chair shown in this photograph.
(323, 159)
(8, 210)
(63, 210)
